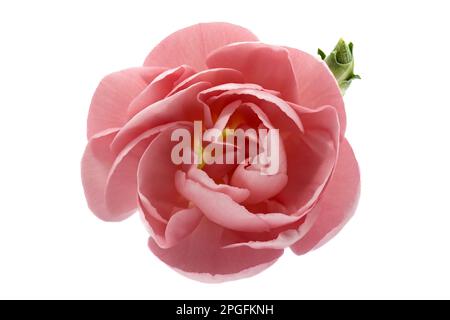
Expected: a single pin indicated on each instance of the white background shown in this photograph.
(52, 56)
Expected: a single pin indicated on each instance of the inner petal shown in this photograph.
(263, 183)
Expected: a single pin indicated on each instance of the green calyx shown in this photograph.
(341, 63)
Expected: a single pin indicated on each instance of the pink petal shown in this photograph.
(121, 184)
(193, 44)
(159, 88)
(311, 158)
(95, 166)
(217, 171)
(260, 114)
(114, 94)
(207, 94)
(221, 209)
(218, 207)
(277, 110)
(316, 84)
(237, 194)
(225, 115)
(169, 233)
(156, 176)
(218, 278)
(268, 66)
(213, 76)
(183, 106)
(148, 210)
(337, 203)
(283, 238)
(202, 257)
(182, 224)
(261, 186)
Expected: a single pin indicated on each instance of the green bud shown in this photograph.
(341, 63)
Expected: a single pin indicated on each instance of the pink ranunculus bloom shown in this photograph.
(218, 222)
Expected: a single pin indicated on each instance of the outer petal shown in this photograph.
(311, 158)
(159, 88)
(266, 65)
(156, 175)
(337, 204)
(182, 224)
(284, 238)
(181, 106)
(114, 94)
(121, 185)
(95, 166)
(202, 255)
(167, 234)
(193, 44)
(316, 84)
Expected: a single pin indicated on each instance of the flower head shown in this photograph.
(273, 118)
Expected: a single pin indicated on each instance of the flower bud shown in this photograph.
(341, 63)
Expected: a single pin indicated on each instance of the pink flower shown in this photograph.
(217, 222)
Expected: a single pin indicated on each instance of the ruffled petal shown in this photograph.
(95, 167)
(282, 238)
(337, 203)
(237, 194)
(207, 94)
(266, 65)
(218, 207)
(113, 95)
(221, 209)
(316, 84)
(167, 234)
(311, 158)
(181, 225)
(257, 180)
(121, 184)
(277, 110)
(182, 106)
(159, 88)
(261, 187)
(193, 44)
(156, 176)
(213, 76)
(202, 256)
